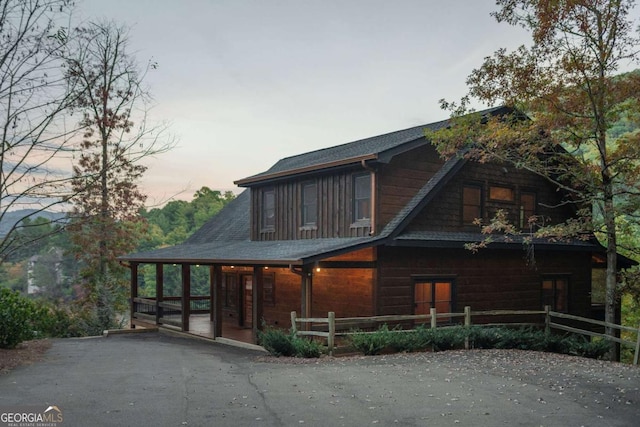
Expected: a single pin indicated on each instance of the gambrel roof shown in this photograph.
(225, 238)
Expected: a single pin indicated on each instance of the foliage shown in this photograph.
(33, 100)
(20, 318)
(582, 134)
(177, 220)
(280, 343)
(106, 221)
(371, 343)
(455, 337)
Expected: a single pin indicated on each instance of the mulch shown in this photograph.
(25, 353)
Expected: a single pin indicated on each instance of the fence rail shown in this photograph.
(336, 327)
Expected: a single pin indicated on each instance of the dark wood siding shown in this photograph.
(401, 179)
(444, 213)
(489, 279)
(334, 209)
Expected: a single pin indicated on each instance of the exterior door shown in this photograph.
(247, 300)
(436, 294)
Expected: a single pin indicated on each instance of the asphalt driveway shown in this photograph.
(163, 380)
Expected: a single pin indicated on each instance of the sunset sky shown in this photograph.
(247, 82)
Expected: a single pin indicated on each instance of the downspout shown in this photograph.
(372, 227)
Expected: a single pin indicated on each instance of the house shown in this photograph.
(371, 227)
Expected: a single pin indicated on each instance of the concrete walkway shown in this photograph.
(163, 380)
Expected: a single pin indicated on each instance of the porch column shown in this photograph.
(159, 291)
(134, 291)
(186, 296)
(307, 293)
(215, 285)
(257, 302)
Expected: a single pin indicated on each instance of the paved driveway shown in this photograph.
(156, 379)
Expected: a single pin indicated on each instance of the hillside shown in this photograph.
(11, 218)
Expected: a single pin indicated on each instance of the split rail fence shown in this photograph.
(331, 327)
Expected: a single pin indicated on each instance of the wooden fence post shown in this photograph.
(547, 319)
(467, 323)
(294, 329)
(332, 332)
(635, 356)
(434, 319)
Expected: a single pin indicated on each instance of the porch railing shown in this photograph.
(331, 327)
(169, 310)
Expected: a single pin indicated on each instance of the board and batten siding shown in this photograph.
(334, 209)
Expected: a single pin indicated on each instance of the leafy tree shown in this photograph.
(569, 84)
(34, 97)
(110, 96)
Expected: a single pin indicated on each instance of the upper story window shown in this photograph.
(471, 203)
(527, 207)
(502, 194)
(361, 197)
(309, 203)
(268, 209)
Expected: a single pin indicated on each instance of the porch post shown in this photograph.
(257, 302)
(134, 291)
(306, 294)
(216, 291)
(159, 291)
(186, 296)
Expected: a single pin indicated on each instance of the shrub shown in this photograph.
(20, 318)
(277, 342)
(448, 338)
(280, 343)
(372, 343)
(306, 348)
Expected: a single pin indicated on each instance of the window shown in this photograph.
(269, 288)
(555, 293)
(471, 204)
(229, 290)
(502, 194)
(527, 208)
(268, 209)
(309, 203)
(433, 293)
(361, 197)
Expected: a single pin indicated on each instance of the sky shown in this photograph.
(244, 83)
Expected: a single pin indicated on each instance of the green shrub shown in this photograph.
(280, 343)
(277, 342)
(306, 348)
(449, 338)
(372, 343)
(20, 319)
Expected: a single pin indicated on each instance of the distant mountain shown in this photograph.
(13, 217)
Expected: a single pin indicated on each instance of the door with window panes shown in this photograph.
(433, 293)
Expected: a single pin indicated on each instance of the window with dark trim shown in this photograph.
(309, 203)
(361, 197)
(268, 209)
(433, 293)
(229, 290)
(269, 288)
(502, 194)
(471, 204)
(555, 292)
(527, 207)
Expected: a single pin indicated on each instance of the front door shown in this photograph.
(247, 300)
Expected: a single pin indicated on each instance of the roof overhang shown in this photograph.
(245, 182)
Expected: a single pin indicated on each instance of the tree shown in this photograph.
(34, 96)
(568, 83)
(110, 96)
